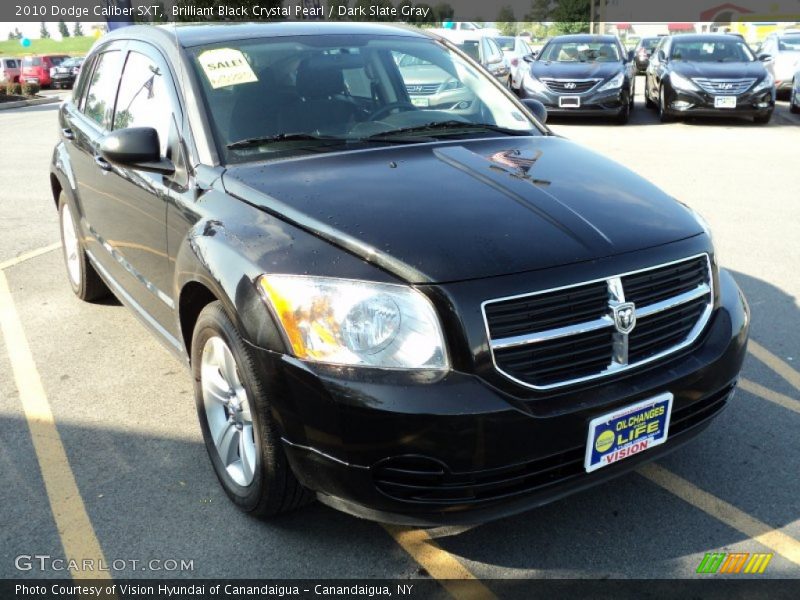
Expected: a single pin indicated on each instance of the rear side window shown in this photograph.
(143, 99)
(102, 91)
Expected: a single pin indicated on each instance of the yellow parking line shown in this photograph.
(28, 255)
(74, 527)
(767, 394)
(453, 575)
(775, 363)
(779, 542)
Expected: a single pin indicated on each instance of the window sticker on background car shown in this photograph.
(225, 67)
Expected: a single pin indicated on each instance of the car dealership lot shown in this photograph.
(123, 409)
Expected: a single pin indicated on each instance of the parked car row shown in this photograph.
(690, 74)
(47, 70)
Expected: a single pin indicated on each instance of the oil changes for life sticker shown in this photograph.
(226, 66)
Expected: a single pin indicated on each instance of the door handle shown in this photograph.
(68, 133)
(102, 163)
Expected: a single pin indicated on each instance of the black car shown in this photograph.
(589, 75)
(64, 74)
(642, 52)
(708, 75)
(412, 315)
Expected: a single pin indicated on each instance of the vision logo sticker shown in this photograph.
(734, 562)
(226, 66)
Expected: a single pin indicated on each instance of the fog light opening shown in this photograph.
(681, 105)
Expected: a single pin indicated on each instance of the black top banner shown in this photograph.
(415, 11)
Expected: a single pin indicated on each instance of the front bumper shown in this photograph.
(701, 104)
(592, 103)
(430, 449)
(63, 79)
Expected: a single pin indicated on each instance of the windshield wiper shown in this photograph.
(283, 137)
(445, 126)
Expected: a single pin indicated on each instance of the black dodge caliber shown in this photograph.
(708, 75)
(590, 75)
(414, 315)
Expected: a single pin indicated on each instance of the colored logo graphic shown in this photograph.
(734, 562)
(604, 441)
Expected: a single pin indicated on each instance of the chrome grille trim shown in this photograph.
(720, 86)
(619, 351)
(422, 89)
(581, 85)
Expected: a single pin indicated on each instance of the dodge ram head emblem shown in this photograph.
(625, 317)
(570, 85)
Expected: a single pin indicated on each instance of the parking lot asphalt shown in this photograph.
(123, 412)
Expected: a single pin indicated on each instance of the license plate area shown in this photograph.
(724, 101)
(627, 431)
(569, 101)
(418, 101)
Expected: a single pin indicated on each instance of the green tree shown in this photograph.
(443, 12)
(540, 11)
(506, 21)
(571, 16)
(43, 32)
(62, 29)
(77, 30)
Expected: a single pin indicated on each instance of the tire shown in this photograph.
(648, 102)
(254, 472)
(83, 279)
(663, 116)
(762, 119)
(624, 114)
(794, 101)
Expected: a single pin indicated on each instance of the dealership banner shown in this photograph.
(418, 11)
(708, 588)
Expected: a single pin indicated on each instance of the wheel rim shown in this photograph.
(227, 408)
(71, 246)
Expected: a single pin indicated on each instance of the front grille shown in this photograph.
(724, 87)
(417, 479)
(422, 89)
(576, 333)
(570, 86)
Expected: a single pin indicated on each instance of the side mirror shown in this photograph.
(537, 108)
(494, 59)
(136, 148)
(765, 57)
(529, 58)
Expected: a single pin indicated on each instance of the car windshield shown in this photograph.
(789, 43)
(505, 43)
(649, 43)
(31, 61)
(277, 97)
(730, 50)
(580, 52)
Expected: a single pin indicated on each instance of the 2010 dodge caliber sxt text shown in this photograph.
(418, 316)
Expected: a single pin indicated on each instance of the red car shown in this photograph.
(36, 69)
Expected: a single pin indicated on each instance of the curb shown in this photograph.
(34, 102)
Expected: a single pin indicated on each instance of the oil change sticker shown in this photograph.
(225, 67)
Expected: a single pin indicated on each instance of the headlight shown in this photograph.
(765, 83)
(532, 84)
(679, 82)
(613, 83)
(452, 84)
(347, 322)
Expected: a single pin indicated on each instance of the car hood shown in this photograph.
(575, 70)
(719, 70)
(439, 212)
